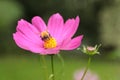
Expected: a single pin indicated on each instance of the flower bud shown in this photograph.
(91, 50)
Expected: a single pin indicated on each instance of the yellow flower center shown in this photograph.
(49, 41)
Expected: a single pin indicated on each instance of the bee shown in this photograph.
(49, 41)
(45, 36)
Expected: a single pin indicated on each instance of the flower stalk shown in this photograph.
(90, 51)
(62, 66)
(52, 67)
(86, 69)
(44, 67)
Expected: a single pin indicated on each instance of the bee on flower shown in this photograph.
(57, 35)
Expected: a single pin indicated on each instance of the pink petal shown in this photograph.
(23, 42)
(29, 31)
(74, 43)
(39, 23)
(55, 25)
(50, 51)
(71, 26)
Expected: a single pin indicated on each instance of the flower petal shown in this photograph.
(74, 43)
(29, 31)
(23, 42)
(39, 23)
(18, 41)
(50, 51)
(55, 25)
(71, 26)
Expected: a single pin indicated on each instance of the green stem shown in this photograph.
(52, 67)
(61, 59)
(86, 69)
(62, 62)
(45, 67)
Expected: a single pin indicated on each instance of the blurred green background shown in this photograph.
(100, 21)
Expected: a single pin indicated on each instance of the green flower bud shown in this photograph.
(91, 50)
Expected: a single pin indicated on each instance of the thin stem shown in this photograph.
(62, 62)
(86, 69)
(52, 67)
(45, 67)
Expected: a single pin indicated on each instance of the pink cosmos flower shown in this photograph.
(38, 37)
(89, 75)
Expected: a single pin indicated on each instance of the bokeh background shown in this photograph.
(100, 22)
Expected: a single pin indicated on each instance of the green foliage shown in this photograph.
(110, 26)
(27, 68)
(9, 12)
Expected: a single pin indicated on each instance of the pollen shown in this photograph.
(49, 41)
